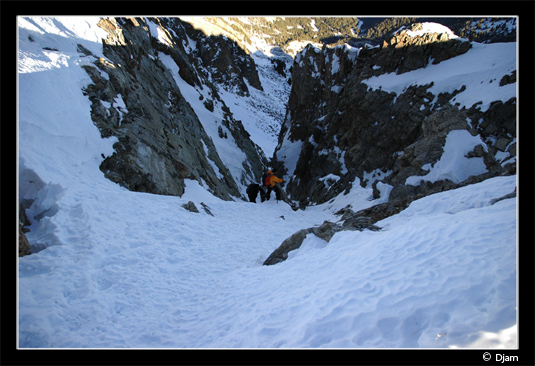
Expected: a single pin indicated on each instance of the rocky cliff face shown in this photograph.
(162, 138)
(338, 128)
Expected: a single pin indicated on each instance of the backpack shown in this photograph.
(265, 179)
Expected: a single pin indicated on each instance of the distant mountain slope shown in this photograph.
(286, 31)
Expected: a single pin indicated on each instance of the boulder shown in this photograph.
(325, 231)
(24, 244)
(293, 242)
(190, 206)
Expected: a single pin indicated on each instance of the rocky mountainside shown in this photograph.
(342, 125)
(342, 129)
(163, 138)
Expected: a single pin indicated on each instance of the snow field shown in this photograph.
(133, 259)
(453, 164)
(444, 270)
(428, 27)
(137, 270)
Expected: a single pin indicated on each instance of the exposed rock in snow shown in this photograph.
(350, 221)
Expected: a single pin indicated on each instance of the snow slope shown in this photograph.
(262, 112)
(120, 269)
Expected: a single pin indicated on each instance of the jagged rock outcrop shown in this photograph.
(24, 244)
(161, 140)
(349, 221)
(338, 129)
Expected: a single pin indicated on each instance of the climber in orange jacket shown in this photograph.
(269, 183)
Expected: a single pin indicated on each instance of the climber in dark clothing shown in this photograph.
(252, 192)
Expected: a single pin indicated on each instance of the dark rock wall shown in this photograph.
(376, 129)
(161, 140)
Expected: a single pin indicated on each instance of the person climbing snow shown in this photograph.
(269, 183)
(252, 192)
